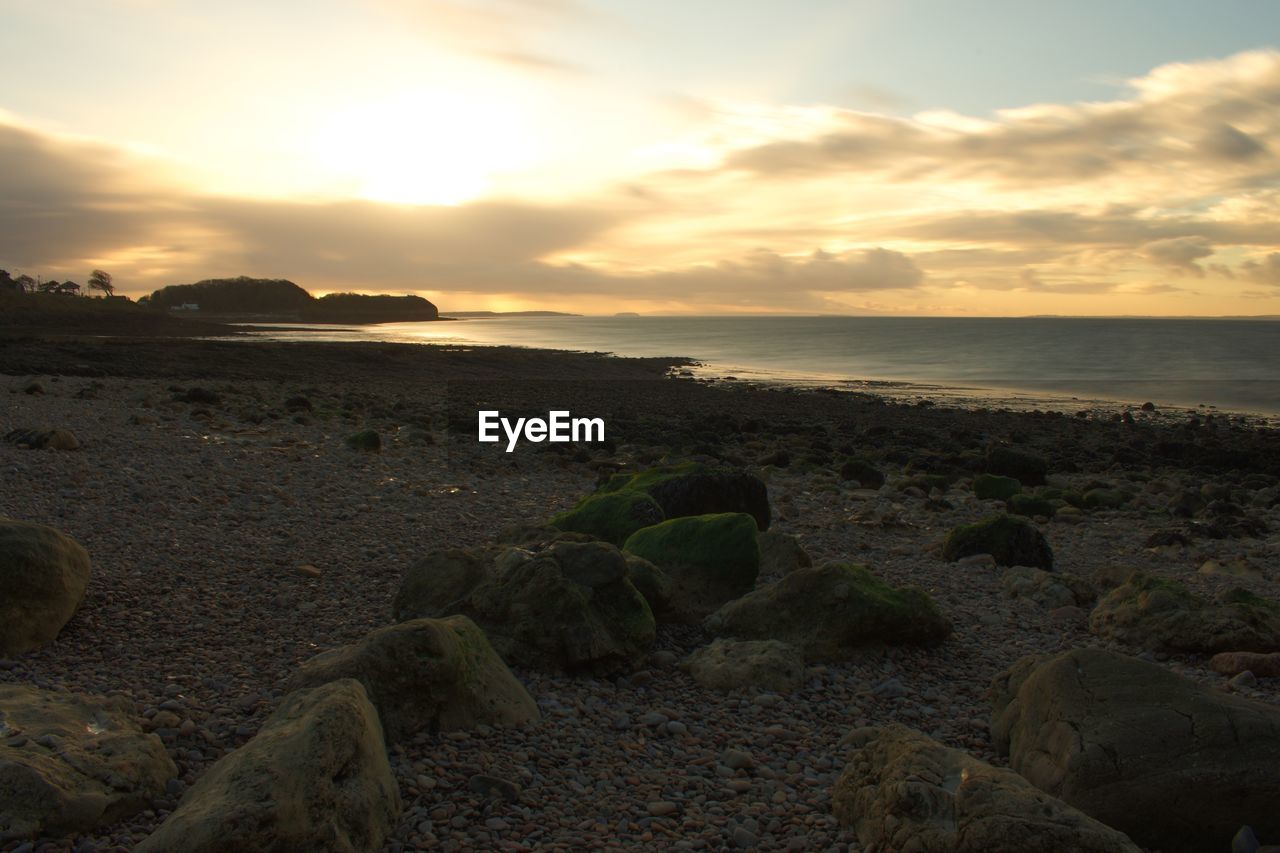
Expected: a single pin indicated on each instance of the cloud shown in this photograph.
(1210, 123)
(1180, 254)
(1264, 271)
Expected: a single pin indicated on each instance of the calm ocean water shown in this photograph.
(1233, 365)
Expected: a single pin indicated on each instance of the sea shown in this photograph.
(1223, 365)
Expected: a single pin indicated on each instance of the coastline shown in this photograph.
(199, 515)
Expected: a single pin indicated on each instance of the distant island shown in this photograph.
(280, 300)
(626, 314)
(481, 314)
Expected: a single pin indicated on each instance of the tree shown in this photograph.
(27, 283)
(99, 280)
(50, 286)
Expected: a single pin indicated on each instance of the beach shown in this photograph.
(234, 534)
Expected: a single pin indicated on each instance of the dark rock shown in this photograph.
(867, 475)
(43, 576)
(1164, 615)
(1011, 541)
(830, 611)
(708, 559)
(1175, 765)
(1027, 468)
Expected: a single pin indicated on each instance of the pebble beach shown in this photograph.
(234, 535)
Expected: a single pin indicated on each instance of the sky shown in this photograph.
(918, 157)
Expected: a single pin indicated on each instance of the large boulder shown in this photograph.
(902, 790)
(43, 575)
(1027, 468)
(554, 604)
(1010, 540)
(1048, 589)
(1175, 765)
(316, 777)
(829, 611)
(765, 665)
(611, 516)
(426, 674)
(70, 762)
(695, 489)
(995, 487)
(708, 559)
(1163, 615)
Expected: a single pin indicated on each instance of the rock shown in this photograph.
(297, 403)
(662, 808)
(829, 611)
(758, 664)
(1173, 764)
(1241, 568)
(307, 570)
(556, 604)
(708, 559)
(315, 777)
(1234, 663)
(70, 762)
(653, 584)
(44, 439)
(1011, 541)
(1051, 590)
(1031, 506)
(902, 790)
(43, 575)
(426, 675)
(695, 489)
(1027, 468)
(995, 487)
(366, 440)
(780, 553)
(867, 475)
(612, 516)
(737, 759)
(1163, 615)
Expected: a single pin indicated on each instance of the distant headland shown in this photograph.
(282, 301)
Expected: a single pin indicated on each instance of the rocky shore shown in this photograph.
(237, 528)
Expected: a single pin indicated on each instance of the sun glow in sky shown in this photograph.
(836, 156)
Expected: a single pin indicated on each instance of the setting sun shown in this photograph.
(426, 147)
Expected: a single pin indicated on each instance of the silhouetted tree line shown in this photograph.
(98, 280)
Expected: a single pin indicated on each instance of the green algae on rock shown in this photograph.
(1011, 541)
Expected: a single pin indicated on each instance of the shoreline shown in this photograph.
(201, 511)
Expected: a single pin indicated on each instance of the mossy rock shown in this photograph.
(611, 516)
(557, 605)
(1012, 541)
(1163, 615)
(1031, 505)
(692, 488)
(830, 611)
(994, 487)
(366, 440)
(1027, 468)
(653, 584)
(710, 559)
(867, 475)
